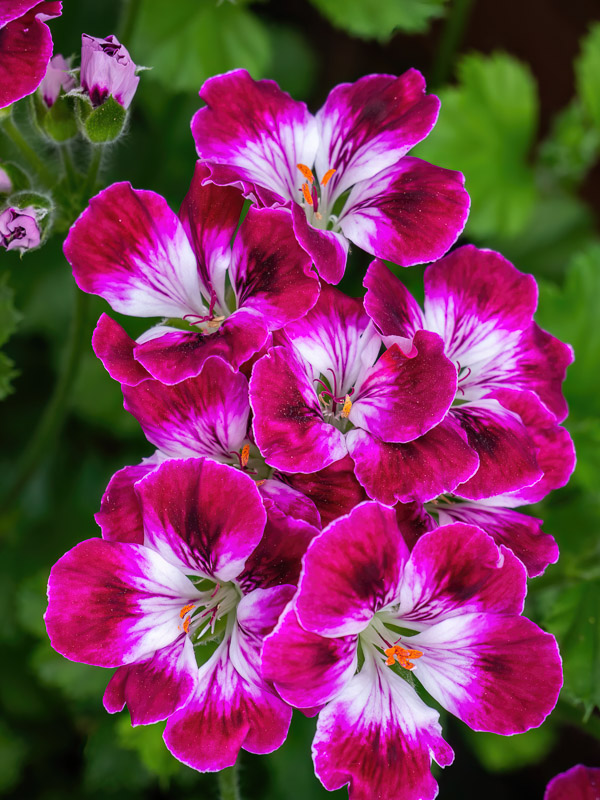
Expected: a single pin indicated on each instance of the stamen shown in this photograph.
(327, 177)
(306, 193)
(306, 172)
(185, 610)
(402, 655)
(245, 455)
(215, 322)
(347, 407)
(186, 624)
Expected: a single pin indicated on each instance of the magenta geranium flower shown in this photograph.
(336, 396)
(25, 46)
(344, 172)
(182, 612)
(215, 298)
(482, 307)
(369, 615)
(577, 783)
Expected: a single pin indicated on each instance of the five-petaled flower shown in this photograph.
(344, 172)
(369, 615)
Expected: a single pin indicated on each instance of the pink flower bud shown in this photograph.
(6, 185)
(107, 69)
(19, 228)
(57, 77)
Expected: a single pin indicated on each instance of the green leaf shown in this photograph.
(9, 319)
(587, 74)
(486, 129)
(197, 39)
(507, 753)
(378, 19)
(572, 147)
(574, 618)
(147, 742)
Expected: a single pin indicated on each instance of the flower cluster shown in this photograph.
(329, 520)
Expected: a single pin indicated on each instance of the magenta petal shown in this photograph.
(327, 664)
(114, 347)
(289, 502)
(496, 673)
(270, 273)
(413, 522)
(256, 128)
(278, 556)
(175, 356)
(12, 9)
(350, 571)
(380, 738)
(328, 250)
(154, 689)
(204, 517)
(233, 707)
(111, 604)
(389, 303)
(419, 470)
(131, 249)
(542, 363)
(519, 532)
(25, 48)
(458, 569)
(369, 125)
(473, 295)
(210, 215)
(402, 397)
(577, 783)
(288, 424)
(334, 489)
(120, 515)
(202, 416)
(507, 454)
(409, 213)
(554, 448)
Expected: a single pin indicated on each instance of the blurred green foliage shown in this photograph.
(56, 741)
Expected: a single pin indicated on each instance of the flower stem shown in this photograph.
(32, 158)
(92, 174)
(228, 783)
(451, 40)
(54, 413)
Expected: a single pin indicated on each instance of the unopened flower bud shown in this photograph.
(5, 182)
(107, 70)
(19, 229)
(57, 77)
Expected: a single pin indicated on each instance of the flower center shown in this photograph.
(199, 619)
(385, 642)
(336, 407)
(402, 656)
(312, 189)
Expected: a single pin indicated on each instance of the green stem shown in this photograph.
(452, 36)
(228, 784)
(73, 178)
(127, 23)
(21, 143)
(93, 169)
(55, 411)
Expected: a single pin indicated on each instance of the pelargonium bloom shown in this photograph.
(324, 392)
(577, 783)
(107, 70)
(343, 172)
(25, 46)
(216, 298)
(183, 612)
(19, 228)
(57, 78)
(482, 307)
(369, 615)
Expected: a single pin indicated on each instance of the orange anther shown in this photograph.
(186, 624)
(347, 407)
(245, 454)
(260, 483)
(306, 172)
(327, 177)
(306, 193)
(185, 609)
(402, 655)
